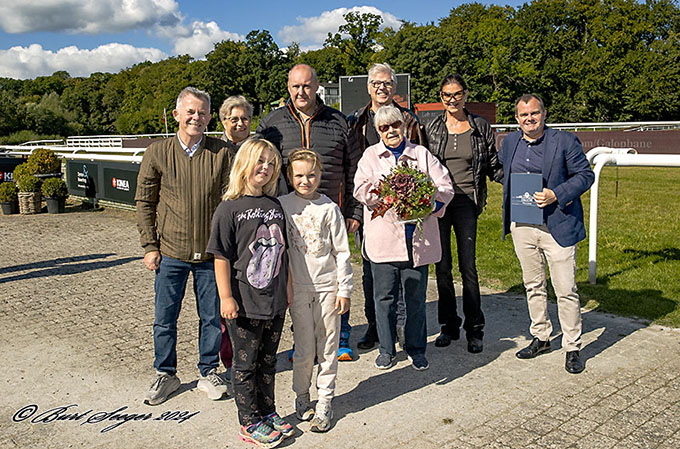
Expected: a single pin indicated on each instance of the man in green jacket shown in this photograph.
(180, 184)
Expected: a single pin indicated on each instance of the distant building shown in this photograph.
(426, 111)
(329, 93)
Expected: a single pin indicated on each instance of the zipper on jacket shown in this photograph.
(304, 129)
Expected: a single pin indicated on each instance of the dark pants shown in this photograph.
(390, 280)
(461, 215)
(170, 286)
(255, 343)
(225, 348)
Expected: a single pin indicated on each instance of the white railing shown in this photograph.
(622, 157)
(604, 126)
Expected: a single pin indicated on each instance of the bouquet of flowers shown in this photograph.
(408, 192)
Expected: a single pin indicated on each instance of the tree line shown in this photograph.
(590, 60)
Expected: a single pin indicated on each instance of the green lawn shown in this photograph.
(638, 258)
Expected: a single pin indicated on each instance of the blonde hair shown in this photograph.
(244, 163)
(302, 154)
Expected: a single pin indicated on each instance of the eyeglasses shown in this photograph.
(377, 84)
(448, 96)
(234, 119)
(395, 125)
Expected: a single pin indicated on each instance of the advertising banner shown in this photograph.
(354, 94)
(7, 166)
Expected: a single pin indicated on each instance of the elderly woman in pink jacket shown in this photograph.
(399, 253)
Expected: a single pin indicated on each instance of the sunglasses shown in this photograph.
(448, 96)
(395, 125)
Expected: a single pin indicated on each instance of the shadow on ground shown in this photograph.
(63, 266)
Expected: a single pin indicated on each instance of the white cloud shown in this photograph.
(313, 31)
(32, 61)
(201, 39)
(87, 16)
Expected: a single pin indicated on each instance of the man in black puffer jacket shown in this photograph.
(306, 122)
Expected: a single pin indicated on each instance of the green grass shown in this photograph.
(638, 260)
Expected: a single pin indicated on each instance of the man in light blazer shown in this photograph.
(558, 156)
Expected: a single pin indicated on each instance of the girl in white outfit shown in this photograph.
(322, 281)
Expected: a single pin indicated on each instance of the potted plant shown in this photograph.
(9, 198)
(55, 192)
(43, 161)
(30, 200)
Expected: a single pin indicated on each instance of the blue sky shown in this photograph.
(39, 37)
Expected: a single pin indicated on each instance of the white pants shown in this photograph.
(533, 245)
(316, 325)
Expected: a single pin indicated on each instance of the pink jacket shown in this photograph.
(384, 238)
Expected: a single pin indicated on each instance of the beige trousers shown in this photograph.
(316, 325)
(534, 245)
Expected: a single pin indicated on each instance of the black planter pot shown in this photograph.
(10, 208)
(55, 205)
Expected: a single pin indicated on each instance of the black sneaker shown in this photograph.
(419, 362)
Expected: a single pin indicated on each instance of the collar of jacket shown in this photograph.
(363, 113)
(468, 115)
(199, 149)
(319, 107)
(409, 150)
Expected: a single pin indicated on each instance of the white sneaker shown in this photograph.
(213, 385)
(303, 408)
(322, 417)
(162, 387)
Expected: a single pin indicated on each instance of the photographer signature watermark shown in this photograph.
(118, 417)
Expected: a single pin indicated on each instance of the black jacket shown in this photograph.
(327, 133)
(484, 156)
(414, 130)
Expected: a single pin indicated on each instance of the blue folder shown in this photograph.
(523, 207)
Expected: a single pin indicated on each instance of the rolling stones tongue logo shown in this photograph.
(267, 251)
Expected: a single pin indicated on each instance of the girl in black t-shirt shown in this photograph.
(251, 269)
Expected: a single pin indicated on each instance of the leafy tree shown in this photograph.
(326, 61)
(84, 99)
(48, 116)
(224, 71)
(46, 84)
(11, 113)
(417, 50)
(356, 40)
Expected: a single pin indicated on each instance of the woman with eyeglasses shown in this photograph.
(399, 254)
(466, 145)
(235, 114)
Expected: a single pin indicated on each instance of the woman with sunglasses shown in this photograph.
(466, 145)
(235, 114)
(399, 254)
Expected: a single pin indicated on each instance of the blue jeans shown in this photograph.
(392, 280)
(461, 215)
(369, 303)
(171, 281)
